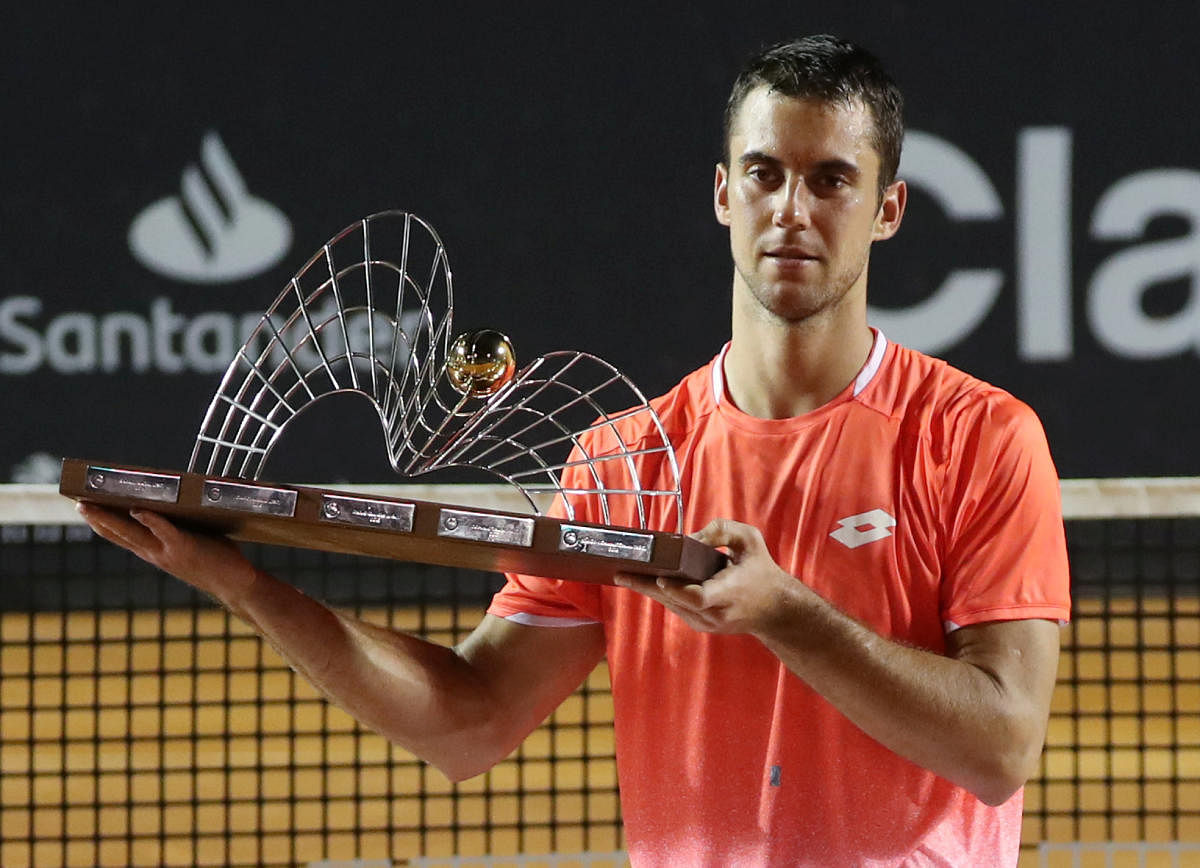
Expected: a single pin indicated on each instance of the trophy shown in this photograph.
(371, 314)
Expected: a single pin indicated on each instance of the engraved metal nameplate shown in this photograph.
(486, 527)
(606, 543)
(365, 512)
(160, 487)
(248, 498)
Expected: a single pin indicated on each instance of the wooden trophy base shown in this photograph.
(408, 530)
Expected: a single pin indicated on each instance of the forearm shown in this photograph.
(460, 709)
(955, 717)
(421, 696)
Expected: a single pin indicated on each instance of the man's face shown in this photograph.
(801, 200)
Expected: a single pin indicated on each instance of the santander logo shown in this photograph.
(213, 231)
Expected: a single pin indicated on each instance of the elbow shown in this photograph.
(463, 759)
(459, 769)
(1002, 772)
(998, 789)
(457, 762)
(463, 748)
(998, 777)
(474, 749)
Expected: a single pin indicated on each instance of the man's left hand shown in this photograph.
(748, 596)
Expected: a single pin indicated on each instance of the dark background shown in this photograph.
(565, 156)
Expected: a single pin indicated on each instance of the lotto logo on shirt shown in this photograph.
(866, 527)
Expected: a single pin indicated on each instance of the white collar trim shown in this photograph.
(874, 362)
(864, 378)
(718, 375)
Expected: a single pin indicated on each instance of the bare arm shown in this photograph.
(976, 716)
(461, 709)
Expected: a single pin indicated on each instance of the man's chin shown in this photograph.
(791, 304)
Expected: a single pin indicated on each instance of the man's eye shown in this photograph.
(833, 182)
(763, 174)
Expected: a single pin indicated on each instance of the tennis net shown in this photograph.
(141, 725)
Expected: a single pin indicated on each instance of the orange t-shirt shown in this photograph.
(917, 501)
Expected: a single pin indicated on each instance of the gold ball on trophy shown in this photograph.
(481, 363)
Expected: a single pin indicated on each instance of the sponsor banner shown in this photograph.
(1052, 243)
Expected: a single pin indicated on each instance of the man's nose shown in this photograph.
(792, 205)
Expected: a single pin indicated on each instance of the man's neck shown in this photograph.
(777, 370)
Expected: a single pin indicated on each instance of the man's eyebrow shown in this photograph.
(838, 166)
(833, 165)
(750, 157)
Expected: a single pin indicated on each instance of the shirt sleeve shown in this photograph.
(545, 602)
(1006, 555)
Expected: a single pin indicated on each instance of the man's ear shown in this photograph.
(721, 195)
(891, 211)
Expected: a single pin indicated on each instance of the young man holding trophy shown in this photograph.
(868, 681)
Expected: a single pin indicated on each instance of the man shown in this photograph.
(868, 682)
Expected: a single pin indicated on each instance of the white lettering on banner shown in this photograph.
(962, 190)
(168, 342)
(19, 335)
(1044, 273)
(1114, 306)
(1044, 244)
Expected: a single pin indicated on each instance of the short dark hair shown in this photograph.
(831, 70)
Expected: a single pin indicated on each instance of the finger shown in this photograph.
(179, 541)
(649, 586)
(162, 528)
(698, 621)
(698, 618)
(104, 531)
(733, 535)
(635, 582)
(710, 534)
(687, 594)
(669, 592)
(643, 584)
(115, 528)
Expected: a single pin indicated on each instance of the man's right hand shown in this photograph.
(209, 563)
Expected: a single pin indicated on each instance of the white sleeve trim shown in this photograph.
(950, 626)
(547, 621)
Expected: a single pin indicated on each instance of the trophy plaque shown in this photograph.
(371, 314)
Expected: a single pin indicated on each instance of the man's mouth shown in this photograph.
(787, 254)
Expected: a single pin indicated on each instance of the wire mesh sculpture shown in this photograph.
(371, 313)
